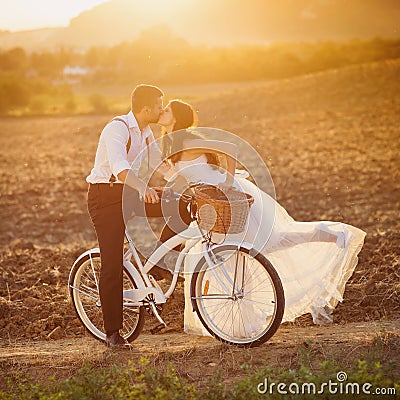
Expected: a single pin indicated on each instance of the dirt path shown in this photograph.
(197, 358)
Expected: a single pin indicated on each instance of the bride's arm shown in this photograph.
(230, 169)
(218, 146)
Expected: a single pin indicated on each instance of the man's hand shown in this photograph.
(150, 196)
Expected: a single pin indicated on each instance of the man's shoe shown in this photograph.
(116, 341)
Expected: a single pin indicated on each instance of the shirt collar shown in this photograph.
(132, 123)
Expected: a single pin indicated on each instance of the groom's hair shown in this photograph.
(144, 95)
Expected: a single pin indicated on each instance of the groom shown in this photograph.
(118, 159)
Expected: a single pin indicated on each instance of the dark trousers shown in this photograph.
(107, 215)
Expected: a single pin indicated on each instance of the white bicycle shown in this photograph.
(235, 291)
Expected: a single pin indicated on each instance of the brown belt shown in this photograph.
(110, 184)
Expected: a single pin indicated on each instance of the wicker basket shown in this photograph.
(222, 212)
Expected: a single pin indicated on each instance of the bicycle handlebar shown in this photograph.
(169, 194)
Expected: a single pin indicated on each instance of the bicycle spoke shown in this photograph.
(230, 312)
(85, 295)
(89, 278)
(252, 272)
(235, 273)
(258, 302)
(89, 288)
(233, 324)
(248, 312)
(241, 317)
(248, 320)
(94, 272)
(221, 309)
(260, 283)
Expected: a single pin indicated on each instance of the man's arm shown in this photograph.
(131, 179)
(116, 137)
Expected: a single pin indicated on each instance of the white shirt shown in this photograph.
(111, 157)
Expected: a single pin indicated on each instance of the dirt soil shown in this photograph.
(331, 142)
(198, 358)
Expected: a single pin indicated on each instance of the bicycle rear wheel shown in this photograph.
(84, 291)
(240, 300)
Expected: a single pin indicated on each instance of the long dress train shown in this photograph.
(313, 259)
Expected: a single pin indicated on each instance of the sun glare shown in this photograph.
(162, 4)
(165, 8)
(25, 14)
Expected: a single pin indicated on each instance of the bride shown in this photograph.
(313, 259)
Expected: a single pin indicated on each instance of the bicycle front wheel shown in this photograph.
(84, 291)
(240, 299)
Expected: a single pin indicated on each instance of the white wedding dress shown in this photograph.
(313, 259)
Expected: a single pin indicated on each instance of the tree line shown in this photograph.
(172, 60)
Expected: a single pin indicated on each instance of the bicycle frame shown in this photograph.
(190, 236)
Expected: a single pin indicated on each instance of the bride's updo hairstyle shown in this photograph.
(185, 117)
(184, 114)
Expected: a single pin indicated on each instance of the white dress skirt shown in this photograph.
(313, 259)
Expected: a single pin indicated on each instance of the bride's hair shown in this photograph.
(185, 117)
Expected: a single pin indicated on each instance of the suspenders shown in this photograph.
(128, 146)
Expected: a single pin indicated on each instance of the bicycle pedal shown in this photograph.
(150, 311)
(151, 307)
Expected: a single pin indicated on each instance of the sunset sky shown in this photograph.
(210, 22)
(27, 14)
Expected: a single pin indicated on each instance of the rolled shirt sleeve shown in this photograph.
(115, 137)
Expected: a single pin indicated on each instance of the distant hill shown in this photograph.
(343, 90)
(32, 39)
(220, 22)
